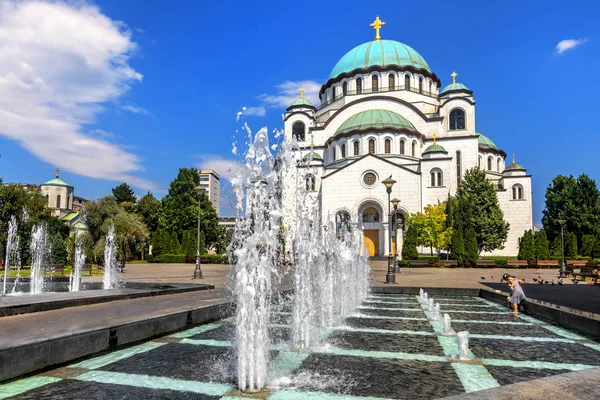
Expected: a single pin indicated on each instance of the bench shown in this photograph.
(86, 267)
(419, 263)
(486, 263)
(56, 268)
(517, 263)
(192, 260)
(448, 263)
(547, 263)
(587, 272)
(577, 263)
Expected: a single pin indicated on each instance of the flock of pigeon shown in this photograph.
(541, 281)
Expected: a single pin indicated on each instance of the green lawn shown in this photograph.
(26, 271)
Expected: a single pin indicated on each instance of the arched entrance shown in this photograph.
(371, 217)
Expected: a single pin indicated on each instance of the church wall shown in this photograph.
(433, 195)
(65, 193)
(458, 102)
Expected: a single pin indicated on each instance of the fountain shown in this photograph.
(430, 304)
(421, 293)
(436, 312)
(12, 250)
(75, 276)
(462, 338)
(425, 296)
(112, 277)
(448, 325)
(40, 257)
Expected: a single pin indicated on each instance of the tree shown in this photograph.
(180, 208)
(149, 208)
(431, 227)
(577, 201)
(527, 247)
(570, 245)
(458, 246)
(556, 248)
(471, 247)
(124, 193)
(161, 242)
(97, 213)
(479, 209)
(541, 246)
(409, 248)
(588, 242)
(175, 247)
(58, 248)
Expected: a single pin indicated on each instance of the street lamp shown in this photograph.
(198, 271)
(563, 267)
(389, 277)
(395, 202)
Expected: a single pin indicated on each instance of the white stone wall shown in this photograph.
(66, 198)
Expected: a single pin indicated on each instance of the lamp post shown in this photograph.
(198, 271)
(563, 267)
(395, 202)
(389, 277)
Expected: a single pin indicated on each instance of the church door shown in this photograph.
(394, 245)
(371, 241)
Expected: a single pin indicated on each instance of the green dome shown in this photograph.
(514, 166)
(454, 86)
(315, 156)
(302, 101)
(57, 182)
(380, 53)
(435, 148)
(485, 141)
(375, 119)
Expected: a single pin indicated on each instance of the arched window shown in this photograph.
(480, 163)
(490, 162)
(58, 201)
(430, 86)
(457, 119)
(420, 85)
(299, 131)
(370, 215)
(375, 83)
(371, 146)
(407, 82)
(345, 88)
(342, 222)
(333, 155)
(517, 192)
(310, 183)
(458, 168)
(48, 200)
(356, 151)
(402, 146)
(358, 85)
(332, 93)
(388, 146)
(499, 165)
(391, 81)
(343, 151)
(414, 148)
(437, 178)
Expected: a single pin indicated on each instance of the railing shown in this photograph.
(379, 90)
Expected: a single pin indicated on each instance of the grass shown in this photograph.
(25, 272)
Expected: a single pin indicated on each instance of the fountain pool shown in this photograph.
(388, 348)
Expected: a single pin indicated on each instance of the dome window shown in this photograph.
(407, 82)
(457, 119)
(392, 82)
(310, 183)
(437, 177)
(499, 165)
(333, 153)
(298, 131)
(358, 85)
(345, 88)
(388, 145)
(414, 148)
(58, 201)
(375, 83)
(371, 146)
(490, 163)
(420, 85)
(517, 192)
(48, 200)
(402, 147)
(343, 151)
(356, 151)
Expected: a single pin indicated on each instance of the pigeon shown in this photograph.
(524, 280)
(552, 282)
(492, 276)
(535, 279)
(560, 282)
(541, 282)
(483, 277)
(546, 282)
(575, 281)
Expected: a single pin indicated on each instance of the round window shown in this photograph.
(369, 179)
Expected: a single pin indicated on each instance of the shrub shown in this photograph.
(215, 258)
(149, 257)
(170, 258)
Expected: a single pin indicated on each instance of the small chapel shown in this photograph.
(383, 113)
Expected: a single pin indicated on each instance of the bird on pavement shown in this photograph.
(560, 282)
(575, 281)
(552, 282)
(546, 282)
(483, 277)
(535, 279)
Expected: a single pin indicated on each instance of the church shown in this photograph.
(383, 113)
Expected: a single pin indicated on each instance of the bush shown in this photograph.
(403, 263)
(180, 258)
(215, 258)
(149, 257)
(170, 258)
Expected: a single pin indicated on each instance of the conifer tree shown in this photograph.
(527, 247)
(409, 248)
(570, 245)
(458, 246)
(174, 243)
(541, 246)
(471, 249)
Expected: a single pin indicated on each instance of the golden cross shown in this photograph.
(56, 173)
(301, 93)
(377, 24)
(513, 157)
(434, 138)
(453, 75)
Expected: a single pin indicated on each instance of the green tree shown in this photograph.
(161, 242)
(458, 246)
(527, 247)
(471, 247)
(124, 193)
(479, 209)
(149, 208)
(541, 246)
(409, 248)
(588, 243)
(431, 227)
(58, 248)
(175, 246)
(577, 201)
(97, 213)
(556, 248)
(570, 245)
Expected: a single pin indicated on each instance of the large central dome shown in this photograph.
(380, 53)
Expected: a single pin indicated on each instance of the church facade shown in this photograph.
(384, 113)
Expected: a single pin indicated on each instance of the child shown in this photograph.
(517, 296)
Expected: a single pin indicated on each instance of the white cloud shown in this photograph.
(59, 63)
(258, 111)
(567, 44)
(136, 109)
(287, 92)
(223, 166)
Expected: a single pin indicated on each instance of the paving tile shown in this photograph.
(398, 343)
(508, 375)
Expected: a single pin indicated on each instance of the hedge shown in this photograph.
(180, 258)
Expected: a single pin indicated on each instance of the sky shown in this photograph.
(112, 91)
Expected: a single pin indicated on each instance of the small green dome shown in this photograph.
(514, 167)
(454, 86)
(485, 141)
(302, 101)
(56, 182)
(435, 148)
(375, 119)
(380, 53)
(315, 156)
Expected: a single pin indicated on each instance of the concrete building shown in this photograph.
(210, 181)
(384, 112)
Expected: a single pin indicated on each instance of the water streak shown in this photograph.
(112, 277)
(12, 250)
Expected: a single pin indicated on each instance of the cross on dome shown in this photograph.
(434, 139)
(453, 75)
(301, 93)
(377, 24)
(56, 173)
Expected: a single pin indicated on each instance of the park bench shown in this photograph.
(517, 263)
(486, 263)
(547, 263)
(192, 260)
(577, 263)
(448, 263)
(419, 263)
(56, 268)
(86, 267)
(587, 272)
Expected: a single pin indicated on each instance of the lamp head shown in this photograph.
(395, 202)
(389, 182)
(199, 189)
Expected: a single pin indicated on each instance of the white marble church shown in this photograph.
(384, 113)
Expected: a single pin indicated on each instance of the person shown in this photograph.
(517, 295)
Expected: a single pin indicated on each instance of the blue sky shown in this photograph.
(132, 90)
